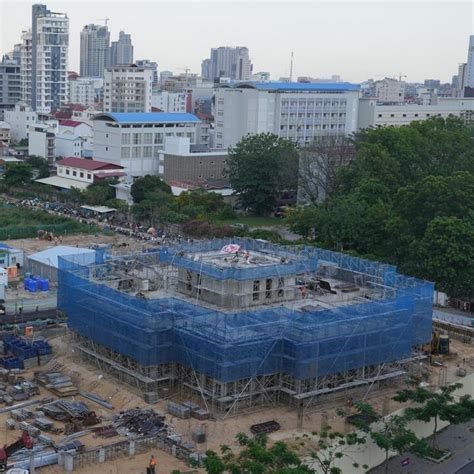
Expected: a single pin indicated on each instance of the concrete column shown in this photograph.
(173, 450)
(101, 455)
(131, 448)
(68, 463)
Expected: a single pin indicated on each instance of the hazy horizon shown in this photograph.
(355, 40)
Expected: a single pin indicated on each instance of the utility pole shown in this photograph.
(105, 20)
(291, 67)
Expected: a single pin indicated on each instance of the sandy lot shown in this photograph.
(220, 431)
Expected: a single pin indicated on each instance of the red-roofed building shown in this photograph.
(80, 173)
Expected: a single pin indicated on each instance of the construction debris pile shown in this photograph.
(58, 383)
(75, 414)
(14, 387)
(186, 410)
(140, 422)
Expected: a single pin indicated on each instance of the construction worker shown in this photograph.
(152, 464)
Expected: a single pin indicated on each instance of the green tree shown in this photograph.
(333, 446)
(260, 168)
(255, 458)
(389, 433)
(436, 406)
(148, 184)
(39, 163)
(445, 255)
(406, 199)
(97, 194)
(18, 174)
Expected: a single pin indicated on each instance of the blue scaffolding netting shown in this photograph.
(231, 346)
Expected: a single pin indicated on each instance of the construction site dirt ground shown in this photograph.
(117, 241)
(219, 431)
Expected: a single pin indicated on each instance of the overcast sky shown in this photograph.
(357, 40)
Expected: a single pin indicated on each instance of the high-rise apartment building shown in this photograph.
(206, 69)
(298, 112)
(127, 89)
(95, 50)
(232, 63)
(44, 60)
(10, 84)
(121, 51)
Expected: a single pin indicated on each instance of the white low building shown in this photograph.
(73, 172)
(373, 114)
(69, 145)
(5, 133)
(41, 141)
(20, 119)
(169, 101)
(134, 140)
(85, 90)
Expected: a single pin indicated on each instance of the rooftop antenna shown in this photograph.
(291, 67)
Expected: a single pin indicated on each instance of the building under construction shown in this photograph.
(243, 323)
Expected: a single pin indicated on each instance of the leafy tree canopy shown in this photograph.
(148, 184)
(407, 199)
(18, 174)
(260, 168)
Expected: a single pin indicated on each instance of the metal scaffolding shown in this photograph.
(264, 355)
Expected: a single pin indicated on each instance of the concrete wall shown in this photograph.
(234, 294)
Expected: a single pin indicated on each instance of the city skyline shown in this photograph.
(419, 49)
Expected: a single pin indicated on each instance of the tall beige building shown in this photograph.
(232, 63)
(127, 89)
(390, 90)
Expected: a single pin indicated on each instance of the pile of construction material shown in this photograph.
(58, 383)
(76, 414)
(14, 387)
(265, 427)
(21, 353)
(186, 410)
(140, 422)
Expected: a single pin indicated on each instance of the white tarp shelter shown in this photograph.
(45, 263)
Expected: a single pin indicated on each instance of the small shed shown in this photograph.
(10, 256)
(45, 263)
(3, 277)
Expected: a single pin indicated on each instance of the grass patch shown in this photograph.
(17, 223)
(252, 221)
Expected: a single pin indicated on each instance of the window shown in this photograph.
(256, 290)
(67, 172)
(74, 173)
(158, 138)
(137, 138)
(81, 174)
(106, 148)
(147, 151)
(268, 288)
(125, 139)
(281, 286)
(126, 152)
(148, 138)
(136, 152)
(89, 176)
